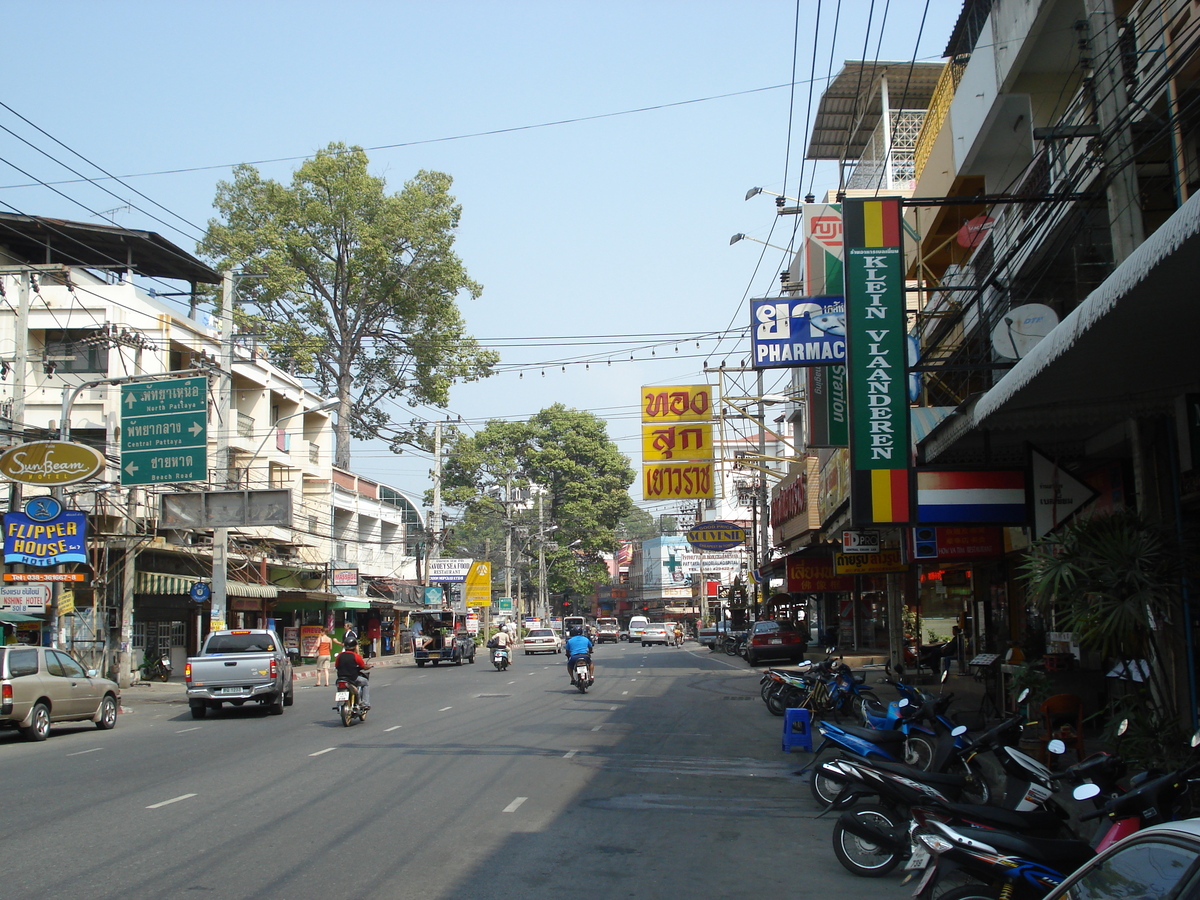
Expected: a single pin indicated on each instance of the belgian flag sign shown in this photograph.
(876, 367)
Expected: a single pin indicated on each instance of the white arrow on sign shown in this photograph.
(130, 469)
(1057, 495)
(129, 401)
(195, 428)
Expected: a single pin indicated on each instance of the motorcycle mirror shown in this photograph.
(1056, 747)
(1196, 739)
(1021, 696)
(958, 730)
(804, 664)
(903, 703)
(1123, 727)
(945, 675)
(1086, 791)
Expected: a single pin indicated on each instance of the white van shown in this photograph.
(637, 627)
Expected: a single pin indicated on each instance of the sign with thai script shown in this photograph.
(686, 481)
(815, 575)
(680, 441)
(34, 543)
(25, 598)
(877, 362)
(867, 563)
(725, 564)
(680, 403)
(164, 431)
(53, 463)
(810, 331)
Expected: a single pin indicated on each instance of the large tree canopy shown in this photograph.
(567, 455)
(361, 286)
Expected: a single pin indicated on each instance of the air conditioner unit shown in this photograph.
(202, 540)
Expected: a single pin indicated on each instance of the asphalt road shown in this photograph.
(664, 780)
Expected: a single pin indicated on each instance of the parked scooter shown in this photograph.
(500, 658)
(347, 703)
(156, 666)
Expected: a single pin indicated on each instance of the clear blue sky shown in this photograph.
(601, 152)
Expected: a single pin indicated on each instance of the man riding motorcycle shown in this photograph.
(579, 646)
(353, 668)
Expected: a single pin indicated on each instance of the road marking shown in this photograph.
(444, 708)
(393, 728)
(81, 752)
(186, 730)
(613, 708)
(322, 752)
(569, 754)
(515, 805)
(597, 728)
(512, 682)
(623, 693)
(633, 679)
(172, 800)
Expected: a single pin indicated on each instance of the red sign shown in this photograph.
(972, 542)
(814, 575)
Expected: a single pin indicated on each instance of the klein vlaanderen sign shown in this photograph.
(876, 362)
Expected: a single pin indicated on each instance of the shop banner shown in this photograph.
(786, 333)
(683, 441)
(815, 575)
(877, 362)
(677, 403)
(31, 542)
(822, 248)
(827, 407)
(869, 563)
(686, 481)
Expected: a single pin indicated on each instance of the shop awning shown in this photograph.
(163, 583)
(1126, 351)
(14, 617)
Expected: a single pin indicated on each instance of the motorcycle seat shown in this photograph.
(933, 779)
(874, 735)
(1018, 820)
(1064, 854)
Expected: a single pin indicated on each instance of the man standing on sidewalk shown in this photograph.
(324, 657)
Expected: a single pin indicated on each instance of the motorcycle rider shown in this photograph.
(579, 646)
(504, 641)
(352, 667)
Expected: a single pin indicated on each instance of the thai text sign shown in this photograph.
(867, 563)
(33, 543)
(452, 571)
(164, 431)
(682, 441)
(478, 587)
(25, 598)
(686, 481)
(682, 403)
(877, 362)
(815, 575)
(810, 331)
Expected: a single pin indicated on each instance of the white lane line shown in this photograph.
(393, 728)
(172, 800)
(623, 693)
(81, 752)
(186, 730)
(597, 728)
(569, 754)
(613, 708)
(515, 805)
(512, 682)
(323, 752)
(444, 708)
(633, 679)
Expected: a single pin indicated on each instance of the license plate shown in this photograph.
(919, 858)
(232, 690)
(341, 696)
(775, 641)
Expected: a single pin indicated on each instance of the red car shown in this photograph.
(774, 640)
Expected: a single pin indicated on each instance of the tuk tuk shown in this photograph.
(441, 636)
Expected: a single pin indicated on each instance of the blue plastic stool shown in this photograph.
(797, 730)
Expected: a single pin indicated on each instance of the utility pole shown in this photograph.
(543, 596)
(764, 518)
(224, 408)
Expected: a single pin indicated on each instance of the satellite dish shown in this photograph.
(973, 231)
(1021, 329)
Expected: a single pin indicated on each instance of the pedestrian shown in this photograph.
(324, 657)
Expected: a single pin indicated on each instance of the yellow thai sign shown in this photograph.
(677, 403)
(681, 441)
(51, 463)
(868, 563)
(66, 603)
(681, 481)
(477, 589)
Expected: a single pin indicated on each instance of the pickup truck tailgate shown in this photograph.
(233, 672)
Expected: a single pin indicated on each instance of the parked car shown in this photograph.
(658, 633)
(40, 687)
(1159, 861)
(774, 640)
(542, 640)
(712, 635)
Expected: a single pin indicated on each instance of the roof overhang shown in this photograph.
(1127, 351)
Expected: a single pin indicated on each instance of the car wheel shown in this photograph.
(199, 710)
(275, 707)
(290, 697)
(108, 713)
(458, 660)
(420, 663)
(39, 724)
(471, 660)
(752, 659)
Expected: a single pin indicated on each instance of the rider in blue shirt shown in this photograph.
(579, 646)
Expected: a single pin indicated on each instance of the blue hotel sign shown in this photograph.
(34, 542)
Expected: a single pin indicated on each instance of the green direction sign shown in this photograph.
(505, 604)
(164, 431)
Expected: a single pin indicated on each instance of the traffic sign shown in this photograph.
(164, 431)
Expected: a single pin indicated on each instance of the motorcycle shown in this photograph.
(580, 676)
(347, 703)
(157, 666)
(500, 658)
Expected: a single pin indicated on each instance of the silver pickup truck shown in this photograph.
(239, 666)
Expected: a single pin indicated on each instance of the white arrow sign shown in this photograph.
(195, 428)
(130, 469)
(1057, 495)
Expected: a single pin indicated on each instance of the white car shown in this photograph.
(542, 640)
(658, 633)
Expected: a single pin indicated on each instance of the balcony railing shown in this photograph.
(939, 108)
(245, 425)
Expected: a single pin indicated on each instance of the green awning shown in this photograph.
(14, 617)
(162, 583)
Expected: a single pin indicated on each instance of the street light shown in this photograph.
(745, 237)
(755, 191)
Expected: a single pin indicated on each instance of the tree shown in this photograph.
(567, 454)
(361, 286)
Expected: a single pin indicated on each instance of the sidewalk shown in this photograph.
(304, 675)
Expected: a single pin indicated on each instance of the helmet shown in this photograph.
(351, 644)
(576, 631)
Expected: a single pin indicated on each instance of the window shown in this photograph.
(76, 350)
(1146, 870)
(22, 662)
(67, 666)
